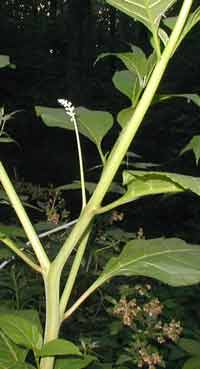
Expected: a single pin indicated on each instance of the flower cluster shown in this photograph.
(150, 359)
(142, 314)
(153, 308)
(127, 310)
(69, 108)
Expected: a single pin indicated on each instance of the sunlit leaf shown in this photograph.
(148, 12)
(59, 347)
(194, 145)
(171, 261)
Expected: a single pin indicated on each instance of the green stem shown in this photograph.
(8, 242)
(52, 325)
(24, 219)
(157, 44)
(83, 297)
(73, 272)
(123, 142)
(80, 162)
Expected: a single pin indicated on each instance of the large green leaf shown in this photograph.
(22, 327)
(194, 145)
(148, 12)
(59, 347)
(74, 363)
(4, 61)
(171, 261)
(142, 183)
(92, 124)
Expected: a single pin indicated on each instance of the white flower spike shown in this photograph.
(69, 108)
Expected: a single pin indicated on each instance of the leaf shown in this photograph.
(192, 347)
(90, 187)
(14, 365)
(59, 347)
(127, 83)
(163, 36)
(192, 363)
(194, 145)
(193, 19)
(134, 61)
(171, 261)
(9, 351)
(4, 61)
(148, 12)
(6, 140)
(5, 253)
(22, 327)
(92, 124)
(12, 231)
(74, 363)
(189, 97)
(125, 115)
(142, 183)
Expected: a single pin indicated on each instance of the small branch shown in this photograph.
(8, 242)
(73, 273)
(83, 297)
(24, 219)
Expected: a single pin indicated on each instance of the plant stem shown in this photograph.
(80, 161)
(8, 242)
(73, 272)
(83, 297)
(52, 325)
(24, 219)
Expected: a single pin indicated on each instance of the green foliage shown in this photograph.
(163, 259)
(59, 347)
(171, 261)
(192, 348)
(92, 124)
(4, 61)
(147, 12)
(194, 145)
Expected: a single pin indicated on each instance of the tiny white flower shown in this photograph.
(69, 108)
